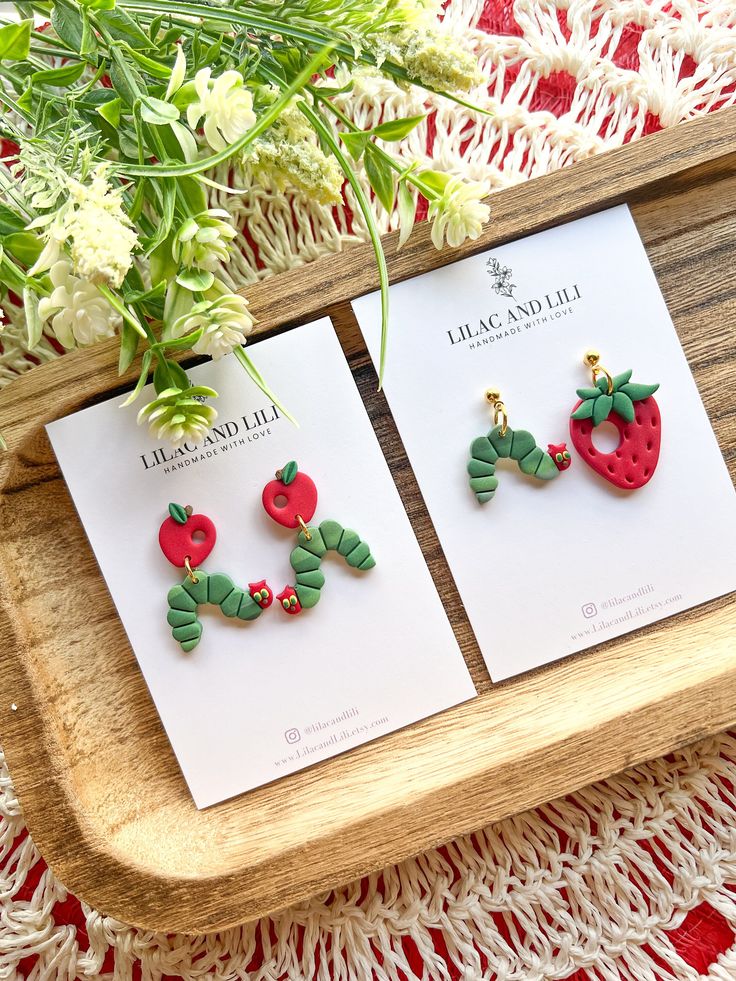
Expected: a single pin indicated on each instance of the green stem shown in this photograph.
(282, 28)
(364, 204)
(268, 117)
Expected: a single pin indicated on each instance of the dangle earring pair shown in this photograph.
(186, 539)
(629, 406)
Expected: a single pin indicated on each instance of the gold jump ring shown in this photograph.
(190, 571)
(305, 530)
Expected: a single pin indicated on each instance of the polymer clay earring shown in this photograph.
(291, 500)
(635, 414)
(503, 442)
(177, 539)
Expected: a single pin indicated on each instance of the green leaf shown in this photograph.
(356, 143)
(638, 392)
(258, 378)
(196, 280)
(289, 472)
(151, 67)
(178, 375)
(66, 21)
(602, 409)
(142, 379)
(110, 111)
(9, 221)
(624, 406)
(397, 129)
(619, 380)
(584, 410)
(162, 380)
(178, 513)
(129, 339)
(602, 384)
(89, 38)
(588, 393)
(434, 179)
(15, 41)
(66, 75)
(157, 112)
(122, 83)
(122, 27)
(117, 304)
(177, 343)
(407, 212)
(24, 246)
(34, 324)
(381, 177)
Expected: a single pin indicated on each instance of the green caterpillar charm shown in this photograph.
(306, 560)
(176, 536)
(291, 500)
(504, 443)
(219, 590)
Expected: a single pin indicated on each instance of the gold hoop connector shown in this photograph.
(493, 397)
(307, 533)
(592, 360)
(190, 571)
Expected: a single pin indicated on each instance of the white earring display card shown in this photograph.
(546, 568)
(257, 700)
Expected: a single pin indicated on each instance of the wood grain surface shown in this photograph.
(101, 790)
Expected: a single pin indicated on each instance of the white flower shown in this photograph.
(225, 323)
(227, 107)
(101, 232)
(180, 416)
(102, 238)
(203, 242)
(458, 213)
(77, 310)
(437, 59)
(178, 73)
(280, 163)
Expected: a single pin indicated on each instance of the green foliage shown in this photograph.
(15, 41)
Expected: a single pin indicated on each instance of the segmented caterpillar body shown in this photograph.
(517, 445)
(214, 588)
(306, 559)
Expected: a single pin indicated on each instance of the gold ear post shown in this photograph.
(591, 359)
(493, 397)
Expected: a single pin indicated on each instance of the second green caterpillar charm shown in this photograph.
(503, 442)
(291, 500)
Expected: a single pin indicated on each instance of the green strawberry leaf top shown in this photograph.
(178, 513)
(289, 472)
(597, 404)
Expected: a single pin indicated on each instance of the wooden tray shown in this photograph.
(99, 784)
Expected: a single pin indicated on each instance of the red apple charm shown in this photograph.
(296, 495)
(176, 536)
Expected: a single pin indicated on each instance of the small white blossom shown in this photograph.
(225, 323)
(179, 416)
(78, 312)
(458, 213)
(178, 73)
(203, 242)
(227, 107)
(437, 60)
(100, 234)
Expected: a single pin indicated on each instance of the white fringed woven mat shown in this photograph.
(632, 879)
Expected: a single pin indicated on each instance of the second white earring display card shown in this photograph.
(255, 701)
(548, 568)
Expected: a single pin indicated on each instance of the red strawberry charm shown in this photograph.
(631, 408)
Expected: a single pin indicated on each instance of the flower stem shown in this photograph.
(327, 135)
